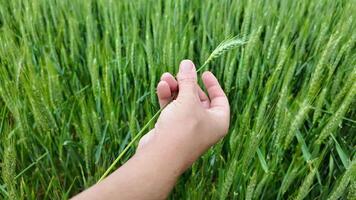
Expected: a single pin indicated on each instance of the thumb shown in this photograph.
(187, 78)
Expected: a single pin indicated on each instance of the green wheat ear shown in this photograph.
(222, 48)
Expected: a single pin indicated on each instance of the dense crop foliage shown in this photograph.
(77, 83)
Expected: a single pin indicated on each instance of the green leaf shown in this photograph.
(262, 160)
(342, 154)
(305, 150)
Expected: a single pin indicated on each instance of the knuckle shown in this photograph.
(186, 78)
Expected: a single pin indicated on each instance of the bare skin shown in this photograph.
(185, 129)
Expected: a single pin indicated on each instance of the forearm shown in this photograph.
(149, 174)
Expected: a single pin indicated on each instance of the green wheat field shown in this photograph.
(78, 78)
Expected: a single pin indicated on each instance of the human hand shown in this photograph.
(192, 122)
(186, 128)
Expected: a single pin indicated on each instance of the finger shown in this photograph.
(172, 82)
(187, 79)
(218, 99)
(164, 93)
(204, 99)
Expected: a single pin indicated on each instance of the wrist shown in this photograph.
(160, 161)
(167, 153)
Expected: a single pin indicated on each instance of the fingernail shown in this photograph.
(186, 66)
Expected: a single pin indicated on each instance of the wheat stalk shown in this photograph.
(222, 48)
(251, 186)
(339, 189)
(228, 179)
(305, 187)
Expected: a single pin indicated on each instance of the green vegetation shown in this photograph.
(78, 78)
